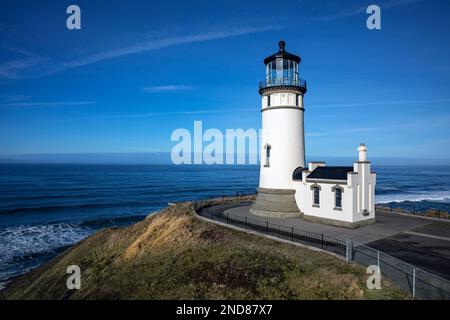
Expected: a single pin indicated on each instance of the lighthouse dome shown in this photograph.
(282, 54)
(282, 72)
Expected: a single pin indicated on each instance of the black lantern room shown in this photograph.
(282, 71)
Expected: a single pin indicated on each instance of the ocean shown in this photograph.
(46, 208)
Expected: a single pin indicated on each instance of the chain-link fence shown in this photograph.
(417, 282)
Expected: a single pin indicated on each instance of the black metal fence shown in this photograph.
(319, 241)
(414, 210)
(417, 282)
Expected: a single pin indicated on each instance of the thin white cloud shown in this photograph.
(32, 67)
(155, 44)
(17, 50)
(338, 14)
(340, 132)
(167, 88)
(48, 104)
(155, 114)
(15, 69)
(379, 103)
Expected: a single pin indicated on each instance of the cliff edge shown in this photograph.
(174, 255)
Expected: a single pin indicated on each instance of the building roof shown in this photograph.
(330, 173)
(282, 54)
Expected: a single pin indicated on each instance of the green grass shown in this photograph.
(174, 255)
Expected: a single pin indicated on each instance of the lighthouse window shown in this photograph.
(316, 191)
(268, 100)
(286, 64)
(296, 100)
(338, 198)
(267, 147)
(279, 72)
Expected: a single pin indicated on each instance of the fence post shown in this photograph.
(349, 250)
(322, 240)
(292, 233)
(211, 213)
(227, 217)
(378, 259)
(414, 283)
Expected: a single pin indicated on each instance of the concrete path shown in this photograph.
(386, 226)
(427, 235)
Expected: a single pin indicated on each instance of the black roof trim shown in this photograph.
(330, 173)
(282, 54)
(297, 175)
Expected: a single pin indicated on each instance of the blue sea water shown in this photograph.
(46, 208)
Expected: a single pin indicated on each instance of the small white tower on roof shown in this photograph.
(283, 139)
(362, 152)
(365, 192)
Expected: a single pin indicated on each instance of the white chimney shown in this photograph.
(314, 165)
(362, 149)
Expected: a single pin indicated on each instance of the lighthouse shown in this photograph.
(288, 187)
(283, 138)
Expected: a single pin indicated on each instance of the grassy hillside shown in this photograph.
(174, 255)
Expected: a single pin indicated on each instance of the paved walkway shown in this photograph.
(386, 225)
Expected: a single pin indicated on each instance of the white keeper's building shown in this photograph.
(288, 186)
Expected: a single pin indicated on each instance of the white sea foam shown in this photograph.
(426, 196)
(20, 245)
(27, 240)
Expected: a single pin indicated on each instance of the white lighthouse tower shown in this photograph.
(283, 140)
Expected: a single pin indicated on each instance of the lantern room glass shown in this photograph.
(282, 72)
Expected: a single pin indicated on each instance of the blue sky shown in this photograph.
(137, 70)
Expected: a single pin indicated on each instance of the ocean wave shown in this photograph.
(23, 240)
(115, 221)
(430, 196)
(74, 206)
(23, 247)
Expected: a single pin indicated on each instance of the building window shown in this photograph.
(338, 198)
(296, 100)
(316, 194)
(316, 197)
(268, 100)
(267, 147)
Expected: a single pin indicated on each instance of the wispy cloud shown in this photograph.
(19, 68)
(34, 66)
(17, 50)
(156, 114)
(155, 44)
(379, 103)
(349, 12)
(166, 88)
(341, 132)
(48, 104)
